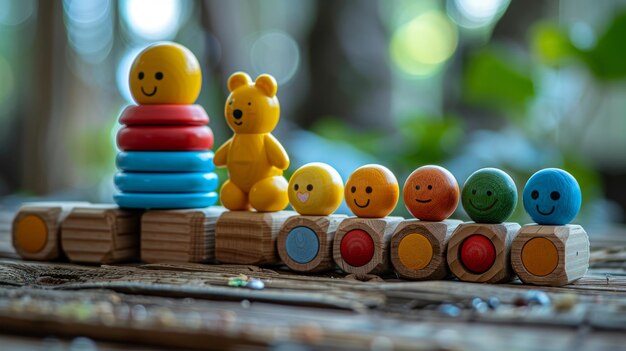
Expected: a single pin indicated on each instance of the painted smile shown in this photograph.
(363, 206)
(238, 122)
(303, 197)
(485, 208)
(545, 213)
(151, 94)
(423, 201)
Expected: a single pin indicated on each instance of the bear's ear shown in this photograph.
(238, 79)
(267, 84)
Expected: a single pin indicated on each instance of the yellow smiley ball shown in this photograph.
(165, 73)
(315, 189)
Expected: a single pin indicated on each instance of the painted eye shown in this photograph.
(430, 187)
(158, 76)
(353, 189)
(296, 187)
(249, 103)
(417, 187)
(534, 194)
(309, 187)
(473, 191)
(140, 75)
(555, 195)
(368, 190)
(489, 193)
(230, 102)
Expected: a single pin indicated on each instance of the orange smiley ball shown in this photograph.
(372, 191)
(431, 193)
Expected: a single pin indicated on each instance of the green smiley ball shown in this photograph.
(489, 195)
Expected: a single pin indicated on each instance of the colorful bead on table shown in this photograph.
(305, 241)
(418, 246)
(480, 251)
(255, 161)
(551, 252)
(165, 160)
(362, 243)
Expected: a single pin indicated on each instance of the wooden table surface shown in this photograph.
(162, 306)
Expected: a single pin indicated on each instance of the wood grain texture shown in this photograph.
(244, 237)
(52, 214)
(102, 234)
(179, 235)
(501, 235)
(325, 228)
(380, 230)
(572, 246)
(438, 234)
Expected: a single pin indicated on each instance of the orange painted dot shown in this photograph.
(540, 257)
(31, 234)
(415, 251)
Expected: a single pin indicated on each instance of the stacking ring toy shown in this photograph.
(161, 138)
(163, 201)
(165, 161)
(189, 115)
(166, 182)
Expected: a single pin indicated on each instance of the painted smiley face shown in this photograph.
(165, 73)
(431, 193)
(372, 191)
(315, 189)
(489, 196)
(552, 197)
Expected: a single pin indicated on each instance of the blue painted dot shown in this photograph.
(552, 197)
(302, 245)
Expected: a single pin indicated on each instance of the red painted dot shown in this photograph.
(477, 254)
(357, 248)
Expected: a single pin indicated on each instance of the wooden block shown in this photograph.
(362, 244)
(419, 248)
(480, 252)
(102, 234)
(245, 237)
(305, 243)
(179, 235)
(36, 232)
(550, 255)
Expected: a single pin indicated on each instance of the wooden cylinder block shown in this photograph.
(481, 252)
(305, 243)
(179, 235)
(419, 248)
(245, 237)
(550, 255)
(102, 234)
(37, 230)
(362, 244)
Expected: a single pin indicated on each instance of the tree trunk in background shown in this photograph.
(43, 162)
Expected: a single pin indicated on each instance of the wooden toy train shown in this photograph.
(167, 186)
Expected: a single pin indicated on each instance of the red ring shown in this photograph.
(171, 138)
(188, 115)
(357, 248)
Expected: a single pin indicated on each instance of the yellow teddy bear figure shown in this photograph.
(254, 158)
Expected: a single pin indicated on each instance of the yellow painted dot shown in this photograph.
(540, 257)
(31, 234)
(415, 251)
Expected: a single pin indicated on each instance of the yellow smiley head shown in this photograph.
(165, 73)
(372, 191)
(315, 189)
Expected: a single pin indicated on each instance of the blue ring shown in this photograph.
(163, 161)
(302, 244)
(165, 201)
(165, 182)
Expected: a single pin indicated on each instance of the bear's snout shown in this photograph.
(237, 114)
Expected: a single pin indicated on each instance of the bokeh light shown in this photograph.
(123, 70)
(89, 26)
(422, 45)
(152, 19)
(14, 13)
(275, 53)
(479, 13)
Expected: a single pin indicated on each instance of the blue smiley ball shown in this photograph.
(552, 197)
